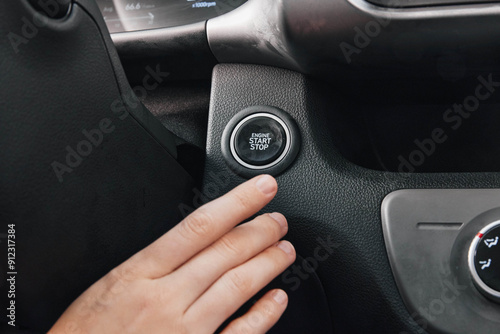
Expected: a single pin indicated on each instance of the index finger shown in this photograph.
(202, 227)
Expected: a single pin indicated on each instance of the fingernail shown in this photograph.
(286, 247)
(280, 219)
(279, 296)
(266, 184)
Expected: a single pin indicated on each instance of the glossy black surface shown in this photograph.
(260, 141)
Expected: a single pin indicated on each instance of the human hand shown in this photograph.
(196, 275)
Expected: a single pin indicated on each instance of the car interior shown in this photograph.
(379, 120)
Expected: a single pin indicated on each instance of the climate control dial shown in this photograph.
(484, 261)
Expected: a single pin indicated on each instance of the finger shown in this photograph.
(262, 316)
(203, 227)
(231, 250)
(238, 285)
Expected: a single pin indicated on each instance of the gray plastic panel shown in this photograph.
(427, 235)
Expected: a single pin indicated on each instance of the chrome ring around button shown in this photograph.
(483, 287)
(261, 114)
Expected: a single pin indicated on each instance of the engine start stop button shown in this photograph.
(260, 141)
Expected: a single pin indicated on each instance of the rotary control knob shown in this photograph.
(484, 261)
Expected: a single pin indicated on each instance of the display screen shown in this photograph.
(127, 15)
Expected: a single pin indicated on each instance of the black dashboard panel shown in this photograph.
(132, 15)
(325, 196)
(349, 59)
